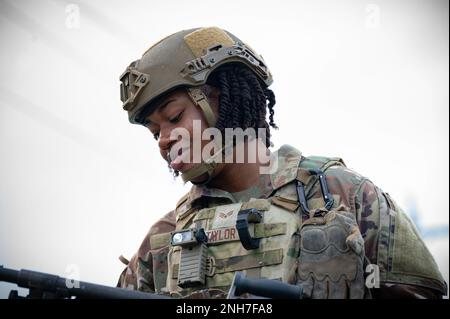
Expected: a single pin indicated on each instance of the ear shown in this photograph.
(212, 93)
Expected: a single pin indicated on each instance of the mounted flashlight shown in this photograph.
(192, 268)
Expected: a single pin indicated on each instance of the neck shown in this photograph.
(236, 177)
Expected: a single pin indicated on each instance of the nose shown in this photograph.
(164, 143)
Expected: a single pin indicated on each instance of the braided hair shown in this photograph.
(243, 100)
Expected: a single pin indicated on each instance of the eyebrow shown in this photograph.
(159, 109)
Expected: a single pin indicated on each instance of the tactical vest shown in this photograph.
(277, 234)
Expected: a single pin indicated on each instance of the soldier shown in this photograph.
(310, 220)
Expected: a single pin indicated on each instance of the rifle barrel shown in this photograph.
(58, 286)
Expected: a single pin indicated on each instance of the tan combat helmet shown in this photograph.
(185, 59)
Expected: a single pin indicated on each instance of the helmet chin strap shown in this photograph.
(198, 97)
(209, 165)
(206, 167)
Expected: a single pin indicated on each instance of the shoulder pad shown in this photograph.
(320, 162)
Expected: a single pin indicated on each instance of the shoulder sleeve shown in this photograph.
(392, 243)
(139, 273)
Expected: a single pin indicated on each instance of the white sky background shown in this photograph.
(363, 80)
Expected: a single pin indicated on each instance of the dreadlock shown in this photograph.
(243, 100)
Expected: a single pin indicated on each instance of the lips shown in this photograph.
(179, 161)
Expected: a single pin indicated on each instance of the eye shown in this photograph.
(177, 118)
(155, 135)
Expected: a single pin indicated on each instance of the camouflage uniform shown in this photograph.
(407, 269)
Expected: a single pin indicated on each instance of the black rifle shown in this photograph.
(48, 286)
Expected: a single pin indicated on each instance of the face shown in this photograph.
(173, 112)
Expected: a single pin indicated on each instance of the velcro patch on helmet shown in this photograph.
(202, 39)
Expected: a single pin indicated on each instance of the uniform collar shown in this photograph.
(284, 164)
